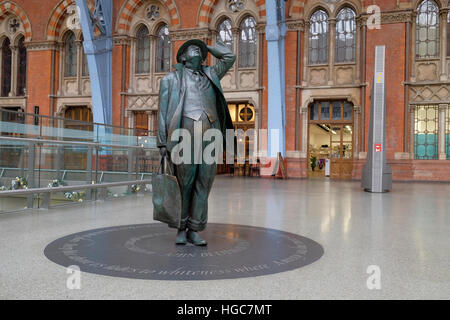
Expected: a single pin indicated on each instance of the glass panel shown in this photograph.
(247, 43)
(232, 109)
(447, 134)
(347, 134)
(336, 110)
(6, 68)
(348, 111)
(163, 50)
(427, 30)
(335, 133)
(21, 68)
(225, 34)
(336, 150)
(143, 51)
(325, 110)
(426, 132)
(347, 150)
(71, 56)
(318, 38)
(314, 111)
(345, 35)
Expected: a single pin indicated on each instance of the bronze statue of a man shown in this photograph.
(191, 96)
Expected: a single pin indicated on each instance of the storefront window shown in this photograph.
(426, 133)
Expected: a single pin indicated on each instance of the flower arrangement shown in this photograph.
(135, 188)
(57, 183)
(75, 196)
(19, 183)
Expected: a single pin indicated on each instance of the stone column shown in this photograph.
(412, 127)
(413, 48)
(331, 49)
(80, 52)
(356, 121)
(358, 50)
(304, 120)
(14, 59)
(306, 53)
(443, 14)
(236, 33)
(132, 82)
(151, 120)
(441, 130)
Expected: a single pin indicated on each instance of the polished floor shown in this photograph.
(404, 233)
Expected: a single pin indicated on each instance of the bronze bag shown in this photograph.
(166, 196)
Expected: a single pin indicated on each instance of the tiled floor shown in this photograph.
(406, 233)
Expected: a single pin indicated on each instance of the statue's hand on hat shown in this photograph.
(219, 49)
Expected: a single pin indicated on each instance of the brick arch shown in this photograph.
(130, 7)
(206, 11)
(10, 7)
(57, 16)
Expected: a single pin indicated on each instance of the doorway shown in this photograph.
(243, 116)
(78, 119)
(330, 139)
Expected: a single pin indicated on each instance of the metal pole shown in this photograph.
(31, 162)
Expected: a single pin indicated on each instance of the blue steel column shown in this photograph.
(97, 33)
(275, 36)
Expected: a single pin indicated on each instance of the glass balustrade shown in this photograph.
(47, 152)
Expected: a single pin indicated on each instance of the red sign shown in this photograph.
(378, 148)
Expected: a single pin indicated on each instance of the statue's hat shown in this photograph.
(196, 42)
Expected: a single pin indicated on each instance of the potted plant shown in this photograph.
(313, 162)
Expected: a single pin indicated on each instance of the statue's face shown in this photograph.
(193, 52)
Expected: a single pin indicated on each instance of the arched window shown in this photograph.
(427, 30)
(318, 38)
(71, 55)
(163, 50)
(225, 34)
(247, 43)
(21, 68)
(143, 50)
(6, 67)
(345, 36)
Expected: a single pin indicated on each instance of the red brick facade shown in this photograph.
(408, 78)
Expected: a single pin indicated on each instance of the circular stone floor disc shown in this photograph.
(148, 251)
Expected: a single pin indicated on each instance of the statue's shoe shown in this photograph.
(194, 238)
(181, 237)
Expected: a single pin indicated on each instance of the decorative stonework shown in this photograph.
(318, 76)
(391, 17)
(344, 75)
(187, 34)
(427, 71)
(226, 81)
(19, 19)
(143, 102)
(130, 7)
(247, 80)
(41, 46)
(236, 5)
(121, 40)
(70, 87)
(13, 25)
(439, 93)
(87, 87)
(152, 12)
(295, 25)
